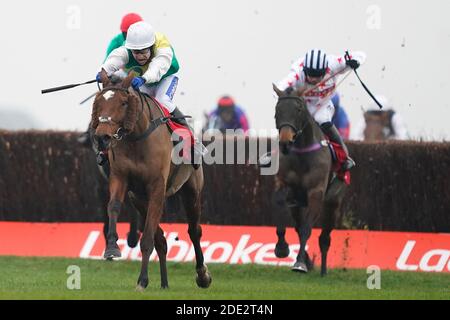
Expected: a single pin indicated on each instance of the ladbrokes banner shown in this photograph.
(233, 244)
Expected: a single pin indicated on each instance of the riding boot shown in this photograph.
(198, 149)
(333, 134)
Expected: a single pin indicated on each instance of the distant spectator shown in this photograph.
(381, 124)
(227, 115)
(340, 118)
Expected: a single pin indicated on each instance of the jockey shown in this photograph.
(227, 115)
(115, 43)
(150, 56)
(340, 118)
(307, 75)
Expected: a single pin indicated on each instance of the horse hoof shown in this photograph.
(111, 253)
(282, 250)
(141, 284)
(203, 278)
(139, 288)
(164, 287)
(132, 239)
(300, 267)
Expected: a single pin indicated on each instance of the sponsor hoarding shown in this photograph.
(428, 252)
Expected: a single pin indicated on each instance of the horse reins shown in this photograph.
(287, 124)
(121, 132)
(298, 132)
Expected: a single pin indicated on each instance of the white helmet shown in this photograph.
(372, 106)
(140, 35)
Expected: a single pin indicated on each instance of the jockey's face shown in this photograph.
(226, 114)
(313, 80)
(141, 56)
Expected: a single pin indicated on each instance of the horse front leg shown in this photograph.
(303, 228)
(117, 189)
(280, 205)
(133, 234)
(304, 224)
(192, 202)
(154, 212)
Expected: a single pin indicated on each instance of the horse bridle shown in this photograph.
(297, 131)
(121, 132)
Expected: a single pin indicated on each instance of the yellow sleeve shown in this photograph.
(161, 41)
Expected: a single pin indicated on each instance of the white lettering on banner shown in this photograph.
(424, 265)
(225, 247)
(266, 252)
(401, 262)
(293, 252)
(244, 250)
(440, 265)
(191, 254)
(183, 247)
(89, 245)
(241, 252)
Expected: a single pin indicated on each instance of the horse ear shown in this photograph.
(104, 77)
(277, 91)
(127, 81)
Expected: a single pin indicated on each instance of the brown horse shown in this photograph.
(378, 125)
(139, 144)
(305, 184)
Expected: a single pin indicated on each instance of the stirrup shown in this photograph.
(348, 164)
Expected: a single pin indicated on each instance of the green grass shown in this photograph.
(45, 278)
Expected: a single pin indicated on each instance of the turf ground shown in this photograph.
(46, 278)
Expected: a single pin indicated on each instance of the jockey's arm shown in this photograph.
(338, 63)
(116, 60)
(294, 79)
(159, 65)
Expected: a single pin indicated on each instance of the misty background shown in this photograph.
(229, 47)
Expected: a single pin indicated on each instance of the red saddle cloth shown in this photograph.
(339, 158)
(187, 138)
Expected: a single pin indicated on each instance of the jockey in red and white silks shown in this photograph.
(307, 76)
(318, 101)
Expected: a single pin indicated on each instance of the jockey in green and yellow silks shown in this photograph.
(150, 56)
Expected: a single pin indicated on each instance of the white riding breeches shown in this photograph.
(163, 91)
(322, 114)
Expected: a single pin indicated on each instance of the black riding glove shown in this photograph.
(352, 63)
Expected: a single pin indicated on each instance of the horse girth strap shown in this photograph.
(154, 124)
